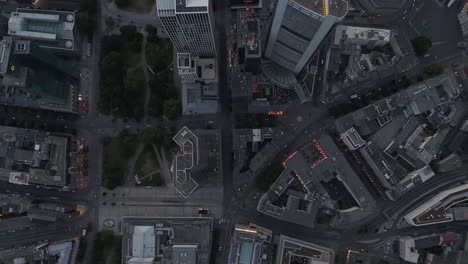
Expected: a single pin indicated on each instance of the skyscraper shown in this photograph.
(189, 24)
(299, 26)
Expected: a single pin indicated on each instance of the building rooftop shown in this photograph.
(143, 242)
(51, 29)
(61, 252)
(5, 51)
(434, 211)
(252, 39)
(402, 133)
(248, 142)
(187, 6)
(249, 245)
(36, 78)
(33, 156)
(184, 254)
(184, 161)
(191, 166)
(175, 240)
(343, 32)
(198, 98)
(285, 78)
(317, 177)
(291, 251)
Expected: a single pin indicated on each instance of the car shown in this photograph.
(203, 211)
(54, 198)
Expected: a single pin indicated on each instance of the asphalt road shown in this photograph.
(94, 126)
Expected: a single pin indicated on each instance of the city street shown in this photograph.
(424, 20)
(231, 198)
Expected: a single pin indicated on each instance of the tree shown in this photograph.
(435, 166)
(122, 3)
(111, 43)
(111, 65)
(434, 69)
(383, 261)
(421, 44)
(128, 32)
(89, 5)
(159, 55)
(152, 33)
(87, 18)
(159, 136)
(86, 22)
(109, 21)
(171, 108)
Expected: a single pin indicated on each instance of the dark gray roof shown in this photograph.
(427, 242)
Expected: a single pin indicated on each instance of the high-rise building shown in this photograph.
(189, 24)
(298, 27)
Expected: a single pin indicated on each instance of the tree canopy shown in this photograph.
(421, 44)
(87, 18)
(122, 3)
(434, 69)
(159, 136)
(171, 108)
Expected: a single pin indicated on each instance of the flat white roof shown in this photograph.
(197, 3)
(43, 25)
(143, 242)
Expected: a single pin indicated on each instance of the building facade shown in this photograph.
(189, 25)
(298, 28)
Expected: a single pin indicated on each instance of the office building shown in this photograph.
(440, 208)
(251, 244)
(298, 28)
(192, 68)
(166, 240)
(369, 37)
(33, 157)
(59, 252)
(47, 28)
(189, 24)
(400, 135)
(318, 181)
(413, 249)
(292, 250)
(35, 78)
